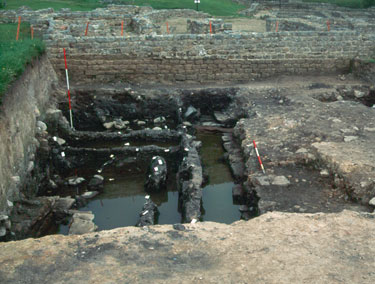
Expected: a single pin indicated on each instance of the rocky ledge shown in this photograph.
(273, 248)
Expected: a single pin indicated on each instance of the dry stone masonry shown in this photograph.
(207, 58)
(302, 46)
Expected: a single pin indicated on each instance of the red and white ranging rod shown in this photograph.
(260, 161)
(67, 85)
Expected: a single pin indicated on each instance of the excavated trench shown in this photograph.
(136, 161)
(143, 157)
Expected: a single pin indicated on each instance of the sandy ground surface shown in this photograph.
(274, 248)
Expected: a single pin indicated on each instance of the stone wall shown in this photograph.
(102, 21)
(293, 25)
(365, 69)
(203, 26)
(314, 16)
(22, 105)
(206, 58)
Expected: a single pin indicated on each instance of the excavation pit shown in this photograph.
(212, 173)
(179, 128)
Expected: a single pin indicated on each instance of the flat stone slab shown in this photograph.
(63, 204)
(82, 223)
(280, 181)
(90, 194)
(273, 248)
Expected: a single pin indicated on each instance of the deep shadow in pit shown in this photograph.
(369, 100)
(120, 111)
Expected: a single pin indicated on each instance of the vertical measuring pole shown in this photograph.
(259, 160)
(67, 85)
(122, 28)
(32, 32)
(167, 28)
(277, 26)
(18, 28)
(210, 28)
(328, 25)
(87, 28)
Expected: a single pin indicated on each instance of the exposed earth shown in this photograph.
(308, 218)
(273, 248)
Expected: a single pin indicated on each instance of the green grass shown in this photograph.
(15, 55)
(213, 7)
(347, 3)
(74, 5)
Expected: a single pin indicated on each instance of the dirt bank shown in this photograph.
(274, 248)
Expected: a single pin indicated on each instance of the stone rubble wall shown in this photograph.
(365, 69)
(293, 25)
(248, 3)
(23, 104)
(203, 26)
(206, 58)
(314, 16)
(102, 21)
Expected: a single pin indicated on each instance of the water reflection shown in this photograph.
(217, 201)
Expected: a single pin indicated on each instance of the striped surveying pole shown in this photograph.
(67, 85)
(122, 28)
(259, 160)
(18, 27)
(32, 32)
(328, 25)
(168, 32)
(210, 27)
(277, 26)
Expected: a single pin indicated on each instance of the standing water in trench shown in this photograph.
(217, 194)
(123, 196)
(122, 199)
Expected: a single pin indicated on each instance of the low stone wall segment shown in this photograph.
(206, 58)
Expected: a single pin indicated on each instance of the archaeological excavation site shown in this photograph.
(171, 146)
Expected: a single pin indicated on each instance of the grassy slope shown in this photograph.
(15, 55)
(75, 5)
(213, 7)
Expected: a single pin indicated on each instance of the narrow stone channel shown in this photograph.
(217, 200)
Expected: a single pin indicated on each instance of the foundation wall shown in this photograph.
(21, 107)
(206, 58)
(365, 70)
